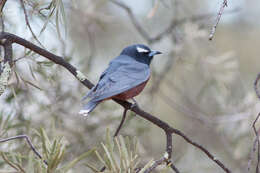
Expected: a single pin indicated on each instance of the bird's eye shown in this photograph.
(142, 50)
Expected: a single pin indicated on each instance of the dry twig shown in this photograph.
(256, 85)
(121, 123)
(174, 23)
(29, 143)
(135, 22)
(2, 4)
(221, 10)
(28, 24)
(258, 144)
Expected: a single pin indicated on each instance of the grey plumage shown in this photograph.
(121, 75)
(89, 107)
(124, 72)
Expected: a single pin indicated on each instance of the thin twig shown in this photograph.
(175, 22)
(29, 143)
(121, 123)
(8, 162)
(13, 165)
(213, 30)
(204, 150)
(174, 168)
(151, 118)
(167, 156)
(258, 143)
(256, 85)
(29, 25)
(133, 19)
(2, 4)
(156, 163)
(251, 155)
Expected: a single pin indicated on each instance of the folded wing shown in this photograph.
(119, 77)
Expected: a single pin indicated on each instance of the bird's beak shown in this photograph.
(154, 52)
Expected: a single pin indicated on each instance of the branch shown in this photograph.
(6, 65)
(13, 165)
(133, 19)
(2, 4)
(28, 23)
(121, 123)
(256, 85)
(258, 144)
(251, 156)
(54, 58)
(153, 119)
(174, 22)
(29, 143)
(213, 30)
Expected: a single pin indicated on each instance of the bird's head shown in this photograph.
(140, 53)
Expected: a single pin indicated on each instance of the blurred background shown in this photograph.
(203, 88)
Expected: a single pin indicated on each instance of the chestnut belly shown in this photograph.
(131, 92)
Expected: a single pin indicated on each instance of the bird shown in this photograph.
(124, 78)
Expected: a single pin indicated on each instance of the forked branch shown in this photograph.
(29, 143)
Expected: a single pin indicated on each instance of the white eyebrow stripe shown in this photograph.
(139, 49)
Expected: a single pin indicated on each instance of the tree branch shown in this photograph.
(153, 119)
(258, 144)
(256, 85)
(121, 123)
(2, 4)
(133, 19)
(28, 23)
(6, 65)
(221, 10)
(174, 22)
(29, 143)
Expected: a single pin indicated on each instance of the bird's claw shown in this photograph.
(133, 105)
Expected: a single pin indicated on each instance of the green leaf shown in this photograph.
(110, 160)
(57, 23)
(63, 14)
(100, 158)
(124, 149)
(149, 164)
(45, 142)
(92, 168)
(46, 63)
(31, 71)
(48, 18)
(31, 84)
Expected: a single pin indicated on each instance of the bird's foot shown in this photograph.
(135, 104)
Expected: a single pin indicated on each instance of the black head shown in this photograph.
(140, 53)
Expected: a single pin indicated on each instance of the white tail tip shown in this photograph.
(84, 112)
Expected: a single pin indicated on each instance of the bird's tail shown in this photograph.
(89, 107)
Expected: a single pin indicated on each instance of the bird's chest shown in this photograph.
(131, 92)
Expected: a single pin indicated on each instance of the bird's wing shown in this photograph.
(121, 79)
(113, 66)
(93, 89)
